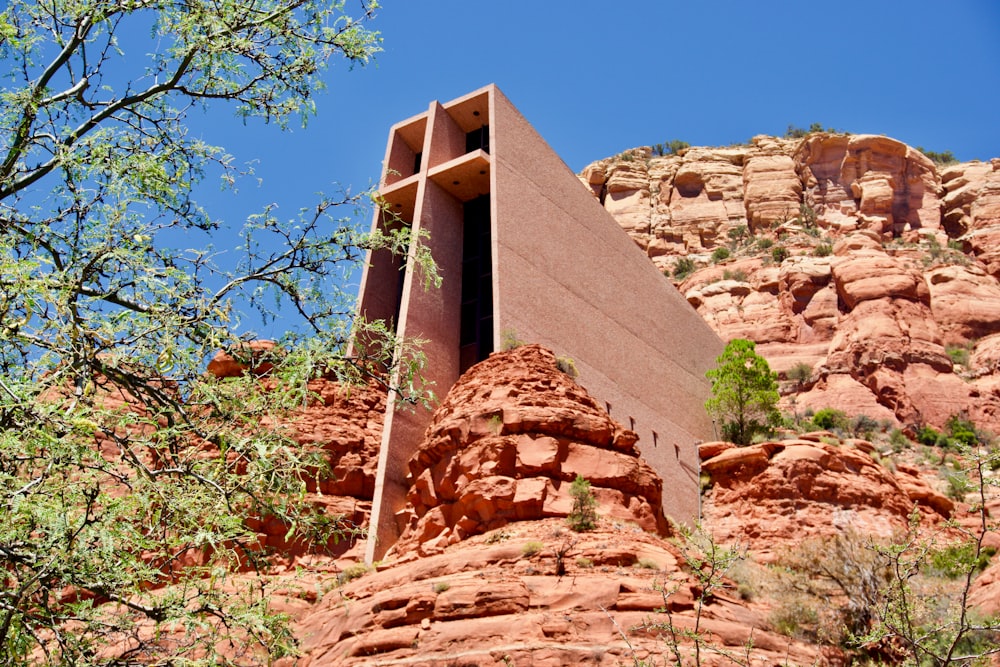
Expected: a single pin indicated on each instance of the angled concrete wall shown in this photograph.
(564, 275)
(571, 279)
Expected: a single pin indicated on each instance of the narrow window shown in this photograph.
(478, 139)
(476, 316)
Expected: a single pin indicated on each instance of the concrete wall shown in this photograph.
(571, 279)
(564, 275)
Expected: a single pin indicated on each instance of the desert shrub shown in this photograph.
(738, 275)
(823, 250)
(440, 586)
(793, 616)
(584, 562)
(765, 243)
(958, 484)
(800, 372)
(509, 340)
(672, 147)
(567, 366)
(807, 216)
(497, 536)
(829, 419)
(647, 564)
(737, 234)
(683, 268)
(531, 548)
(842, 581)
(898, 440)
(959, 354)
(584, 514)
(863, 426)
(941, 158)
(779, 254)
(352, 572)
(928, 435)
(962, 430)
(720, 254)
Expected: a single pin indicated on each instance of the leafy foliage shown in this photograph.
(710, 563)
(129, 479)
(684, 267)
(584, 514)
(744, 393)
(672, 147)
(800, 372)
(829, 419)
(942, 158)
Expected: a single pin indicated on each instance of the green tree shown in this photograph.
(744, 393)
(128, 478)
(584, 514)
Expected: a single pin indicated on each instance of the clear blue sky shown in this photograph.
(595, 78)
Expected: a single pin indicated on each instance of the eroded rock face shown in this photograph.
(775, 494)
(534, 594)
(854, 255)
(507, 443)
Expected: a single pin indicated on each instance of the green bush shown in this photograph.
(779, 254)
(823, 250)
(800, 372)
(959, 354)
(928, 435)
(584, 514)
(765, 243)
(829, 419)
(683, 268)
(962, 430)
(898, 440)
(941, 158)
(567, 366)
(531, 548)
(863, 426)
(954, 561)
(720, 254)
(509, 340)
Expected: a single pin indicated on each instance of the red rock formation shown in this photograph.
(506, 444)
(534, 594)
(870, 306)
(773, 495)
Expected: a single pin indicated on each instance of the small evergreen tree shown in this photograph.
(744, 393)
(584, 514)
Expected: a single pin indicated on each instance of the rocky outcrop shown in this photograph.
(506, 445)
(868, 182)
(776, 494)
(852, 255)
(534, 593)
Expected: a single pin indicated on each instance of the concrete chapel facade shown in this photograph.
(523, 246)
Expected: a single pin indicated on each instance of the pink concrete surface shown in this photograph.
(565, 275)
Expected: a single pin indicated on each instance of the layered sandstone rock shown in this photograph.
(773, 495)
(507, 443)
(854, 255)
(534, 593)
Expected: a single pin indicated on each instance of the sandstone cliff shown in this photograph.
(854, 257)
